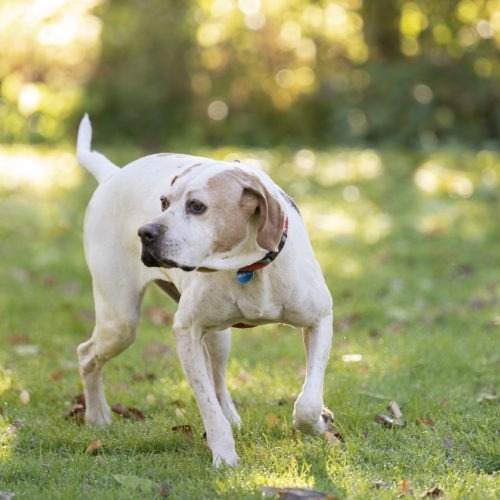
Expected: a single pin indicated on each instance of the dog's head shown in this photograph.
(213, 216)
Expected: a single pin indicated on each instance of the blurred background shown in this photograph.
(416, 73)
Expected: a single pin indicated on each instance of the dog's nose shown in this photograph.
(149, 233)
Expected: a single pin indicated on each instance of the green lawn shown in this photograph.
(410, 247)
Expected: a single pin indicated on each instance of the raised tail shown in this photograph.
(96, 163)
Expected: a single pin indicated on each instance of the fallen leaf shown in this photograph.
(406, 487)
(389, 422)
(395, 410)
(16, 425)
(297, 493)
(80, 399)
(425, 421)
(186, 429)
(56, 375)
(18, 339)
(121, 410)
(386, 421)
(136, 414)
(378, 485)
(24, 397)
(77, 413)
(486, 397)
(163, 489)
(271, 420)
(433, 492)
(130, 413)
(94, 446)
(396, 327)
(158, 316)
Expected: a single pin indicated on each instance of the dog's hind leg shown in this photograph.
(218, 345)
(117, 311)
(309, 414)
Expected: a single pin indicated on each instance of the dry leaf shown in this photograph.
(80, 399)
(121, 410)
(378, 485)
(16, 425)
(187, 430)
(56, 376)
(433, 492)
(136, 414)
(425, 421)
(163, 489)
(158, 316)
(389, 422)
(271, 420)
(486, 397)
(24, 397)
(406, 487)
(77, 411)
(386, 421)
(18, 339)
(395, 410)
(94, 446)
(74, 410)
(131, 413)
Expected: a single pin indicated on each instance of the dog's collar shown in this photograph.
(245, 274)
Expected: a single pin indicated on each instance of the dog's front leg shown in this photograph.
(219, 434)
(309, 414)
(218, 345)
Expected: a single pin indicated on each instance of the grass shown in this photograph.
(409, 246)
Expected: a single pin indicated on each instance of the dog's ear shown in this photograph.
(270, 212)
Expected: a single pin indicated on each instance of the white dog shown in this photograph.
(229, 246)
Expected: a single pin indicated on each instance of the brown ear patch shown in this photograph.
(233, 210)
(256, 198)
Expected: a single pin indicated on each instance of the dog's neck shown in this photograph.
(237, 259)
(245, 274)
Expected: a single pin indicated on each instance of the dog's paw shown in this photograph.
(225, 459)
(98, 417)
(328, 418)
(311, 423)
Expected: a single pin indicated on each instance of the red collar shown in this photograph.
(245, 274)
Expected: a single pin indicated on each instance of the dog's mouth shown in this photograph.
(151, 260)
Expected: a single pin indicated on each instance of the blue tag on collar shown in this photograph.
(244, 276)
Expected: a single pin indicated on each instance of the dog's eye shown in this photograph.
(195, 207)
(164, 203)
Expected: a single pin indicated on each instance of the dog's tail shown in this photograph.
(96, 163)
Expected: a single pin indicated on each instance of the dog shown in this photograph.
(229, 246)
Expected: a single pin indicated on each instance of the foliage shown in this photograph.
(253, 72)
(409, 247)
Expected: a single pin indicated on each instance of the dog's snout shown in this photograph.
(149, 232)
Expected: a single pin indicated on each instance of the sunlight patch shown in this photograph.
(432, 178)
(23, 168)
